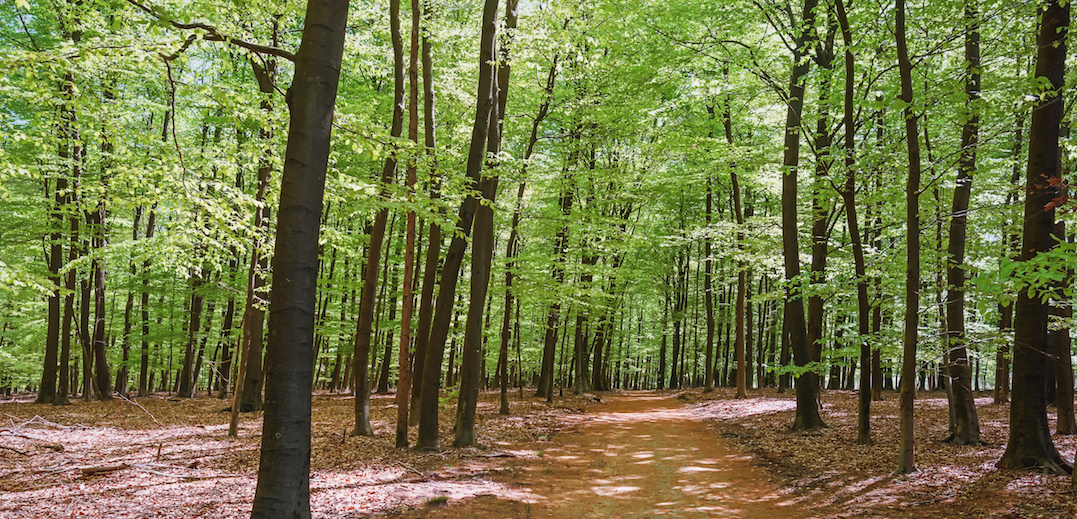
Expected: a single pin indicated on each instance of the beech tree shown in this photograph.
(640, 249)
(1030, 443)
(284, 464)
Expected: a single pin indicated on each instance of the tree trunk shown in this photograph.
(433, 250)
(821, 202)
(546, 374)
(1010, 247)
(102, 376)
(906, 458)
(249, 385)
(966, 430)
(807, 414)
(428, 419)
(512, 246)
(365, 322)
(403, 387)
(848, 194)
(1030, 443)
(708, 295)
(1060, 340)
(483, 236)
(283, 489)
(144, 385)
(186, 388)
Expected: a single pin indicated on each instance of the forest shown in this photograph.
(436, 211)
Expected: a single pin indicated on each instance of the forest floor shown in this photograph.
(629, 455)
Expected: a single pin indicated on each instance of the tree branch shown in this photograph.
(213, 34)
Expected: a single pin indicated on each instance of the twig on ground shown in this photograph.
(138, 405)
(17, 435)
(13, 449)
(42, 421)
(89, 471)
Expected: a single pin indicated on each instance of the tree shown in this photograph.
(906, 459)
(848, 195)
(407, 297)
(966, 423)
(433, 249)
(283, 488)
(454, 257)
(1030, 443)
(807, 414)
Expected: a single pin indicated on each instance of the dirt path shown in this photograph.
(637, 455)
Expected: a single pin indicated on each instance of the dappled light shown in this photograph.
(641, 454)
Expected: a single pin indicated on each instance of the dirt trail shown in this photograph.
(636, 455)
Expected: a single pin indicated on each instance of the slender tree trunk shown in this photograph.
(546, 375)
(144, 385)
(1060, 339)
(248, 395)
(821, 200)
(428, 420)
(102, 376)
(483, 236)
(807, 414)
(708, 294)
(511, 248)
(848, 194)
(186, 388)
(364, 325)
(224, 370)
(407, 298)
(742, 288)
(1010, 248)
(906, 459)
(433, 250)
(966, 430)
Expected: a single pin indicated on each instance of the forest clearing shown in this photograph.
(577, 458)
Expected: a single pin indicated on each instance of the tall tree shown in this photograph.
(848, 194)
(483, 234)
(364, 325)
(283, 489)
(807, 414)
(742, 288)
(966, 429)
(1030, 443)
(708, 293)
(906, 458)
(433, 249)
(407, 297)
(1060, 340)
(454, 257)
(513, 245)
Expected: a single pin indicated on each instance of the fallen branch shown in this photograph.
(42, 421)
(13, 449)
(89, 471)
(17, 435)
(138, 405)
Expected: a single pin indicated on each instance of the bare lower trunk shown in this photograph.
(1030, 444)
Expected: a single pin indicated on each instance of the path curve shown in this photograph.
(635, 455)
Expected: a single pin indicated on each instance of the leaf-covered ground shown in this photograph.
(172, 458)
(839, 478)
(168, 458)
